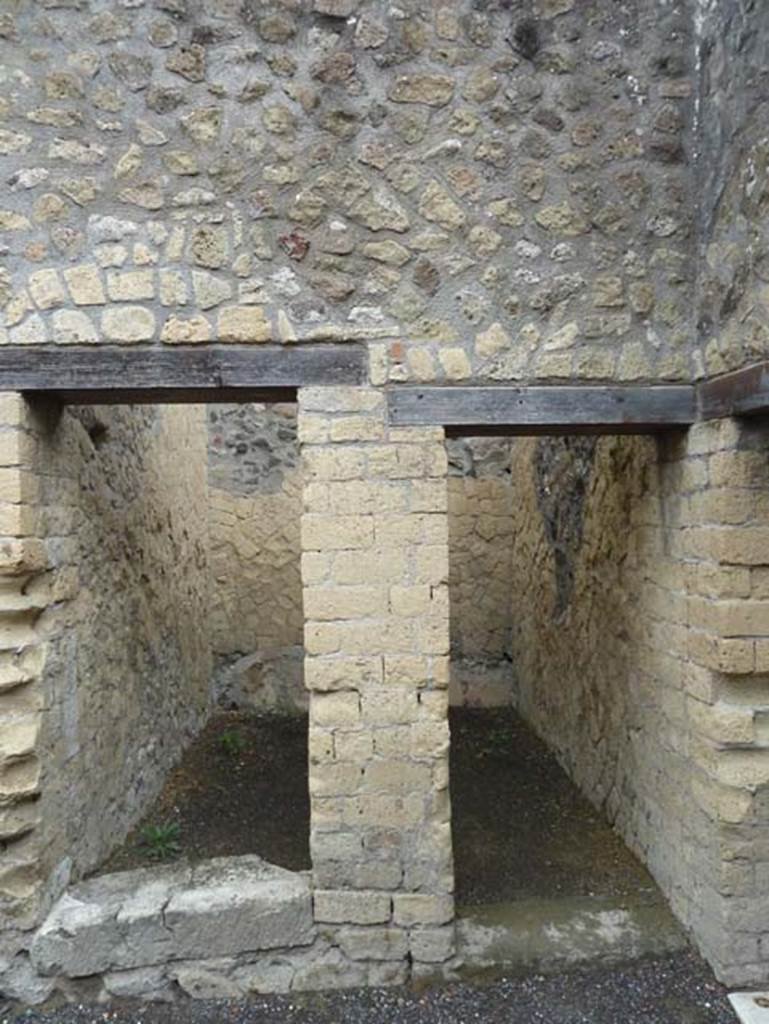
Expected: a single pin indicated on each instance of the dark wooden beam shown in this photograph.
(546, 409)
(165, 396)
(742, 393)
(112, 374)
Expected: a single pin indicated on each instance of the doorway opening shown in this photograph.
(550, 704)
(179, 728)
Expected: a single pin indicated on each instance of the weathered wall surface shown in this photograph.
(480, 554)
(639, 644)
(105, 645)
(255, 508)
(733, 183)
(572, 589)
(507, 187)
(127, 670)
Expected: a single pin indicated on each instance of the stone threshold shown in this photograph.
(220, 908)
(553, 934)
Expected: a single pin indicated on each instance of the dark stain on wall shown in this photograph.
(562, 470)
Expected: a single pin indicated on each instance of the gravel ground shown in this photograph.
(672, 990)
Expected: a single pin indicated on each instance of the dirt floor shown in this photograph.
(670, 990)
(240, 788)
(521, 828)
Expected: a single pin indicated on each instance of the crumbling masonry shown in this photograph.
(531, 192)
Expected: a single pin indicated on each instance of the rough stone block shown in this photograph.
(373, 943)
(335, 709)
(139, 983)
(17, 447)
(240, 903)
(150, 916)
(334, 779)
(243, 324)
(128, 324)
(394, 776)
(201, 981)
(336, 533)
(355, 602)
(342, 673)
(85, 285)
(413, 908)
(339, 906)
(432, 945)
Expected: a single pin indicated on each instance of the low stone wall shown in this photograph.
(221, 928)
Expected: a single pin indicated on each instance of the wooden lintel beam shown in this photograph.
(546, 409)
(166, 396)
(112, 374)
(741, 393)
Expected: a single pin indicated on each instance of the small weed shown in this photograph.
(162, 841)
(232, 743)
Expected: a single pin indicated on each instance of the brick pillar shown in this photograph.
(23, 595)
(375, 578)
(724, 545)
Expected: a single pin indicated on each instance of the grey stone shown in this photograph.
(99, 925)
(155, 915)
(336, 8)
(203, 982)
(189, 62)
(266, 976)
(19, 980)
(240, 903)
(134, 71)
(139, 983)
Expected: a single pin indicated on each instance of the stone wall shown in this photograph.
(732, 161)
(479, 192)
(256, 599)
(128, 663)
(497, 192)
(110, 651)
(480, 554)
(639, 627)
(255, 508)
(375, 575)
